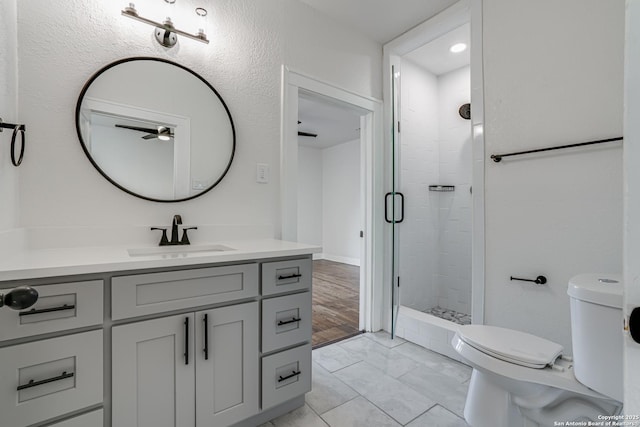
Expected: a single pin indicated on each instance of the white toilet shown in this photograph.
(523, 380)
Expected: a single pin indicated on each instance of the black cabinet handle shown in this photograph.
(33, 383)
(286, 322)
(205, 319)
(293, 374)
(46, 310)
(186, 341)
(291, 276)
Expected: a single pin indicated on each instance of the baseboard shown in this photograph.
(342, 259)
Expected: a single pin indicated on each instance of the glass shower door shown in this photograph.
(394, 201)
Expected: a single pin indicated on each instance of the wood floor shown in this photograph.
(336, 299)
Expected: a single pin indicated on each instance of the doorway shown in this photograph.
(330, 197)
(297, 87)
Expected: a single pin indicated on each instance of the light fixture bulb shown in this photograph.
(169, 8)
(458, 47)
(164, 133)
(202, 22)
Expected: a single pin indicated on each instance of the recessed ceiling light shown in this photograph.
(458, 47)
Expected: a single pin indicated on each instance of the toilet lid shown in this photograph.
(511, 346)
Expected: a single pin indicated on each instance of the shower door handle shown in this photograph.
(386, 207)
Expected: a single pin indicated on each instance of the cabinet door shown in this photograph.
(153, 373)
(227, 380)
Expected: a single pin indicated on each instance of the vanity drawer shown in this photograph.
(142, 294)
(92, 419)
(286, 375)
(59, 307)
(286, 321)
(71, 364)
(286, 276)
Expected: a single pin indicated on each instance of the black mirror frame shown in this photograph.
(143, 58)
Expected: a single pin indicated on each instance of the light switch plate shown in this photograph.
(262, 173)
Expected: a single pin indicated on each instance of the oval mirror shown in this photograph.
(155, 129)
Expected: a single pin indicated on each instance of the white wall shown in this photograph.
(8, 112)
(249, 42)
(341, 206)
(419, 167)
(310, 219)
(454, 218)
(632, 203)
(553, 75)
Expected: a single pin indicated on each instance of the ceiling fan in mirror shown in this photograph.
(162, 133)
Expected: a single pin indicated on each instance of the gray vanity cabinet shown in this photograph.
(213, 344)
(207, 360)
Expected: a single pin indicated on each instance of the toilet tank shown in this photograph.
(596, 330)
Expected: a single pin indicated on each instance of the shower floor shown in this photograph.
(450, 315)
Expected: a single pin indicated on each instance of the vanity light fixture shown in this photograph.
(166, 34)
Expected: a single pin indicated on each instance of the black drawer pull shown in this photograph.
(46, 310)
(293, 374)
(186, 341)
(205, 319)
(286, 322)
(33, 383)
(292, 276)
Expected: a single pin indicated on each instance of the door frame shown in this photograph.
(462, 12)
(631, 237)
(372, 245)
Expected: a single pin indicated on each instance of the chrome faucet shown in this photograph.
(175, 230)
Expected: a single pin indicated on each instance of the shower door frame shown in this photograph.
(463, 12)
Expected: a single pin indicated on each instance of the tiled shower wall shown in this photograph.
(453, 283)
(419, 167)
(435, 238)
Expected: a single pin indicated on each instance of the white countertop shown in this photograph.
(31, 264)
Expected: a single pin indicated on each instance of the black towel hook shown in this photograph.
(17, 130)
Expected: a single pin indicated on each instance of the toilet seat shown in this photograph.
(511, 346)
(561, 376)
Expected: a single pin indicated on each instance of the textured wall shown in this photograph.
(8, 112)
(558, 214)
(250, 40)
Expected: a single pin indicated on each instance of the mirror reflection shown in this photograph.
(155, 129)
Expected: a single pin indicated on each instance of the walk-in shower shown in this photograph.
(432, 190)
(435, 178)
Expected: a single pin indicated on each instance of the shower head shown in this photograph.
(465, 111)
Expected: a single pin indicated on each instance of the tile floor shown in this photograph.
(371, 380)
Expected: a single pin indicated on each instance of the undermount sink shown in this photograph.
(179, 250)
